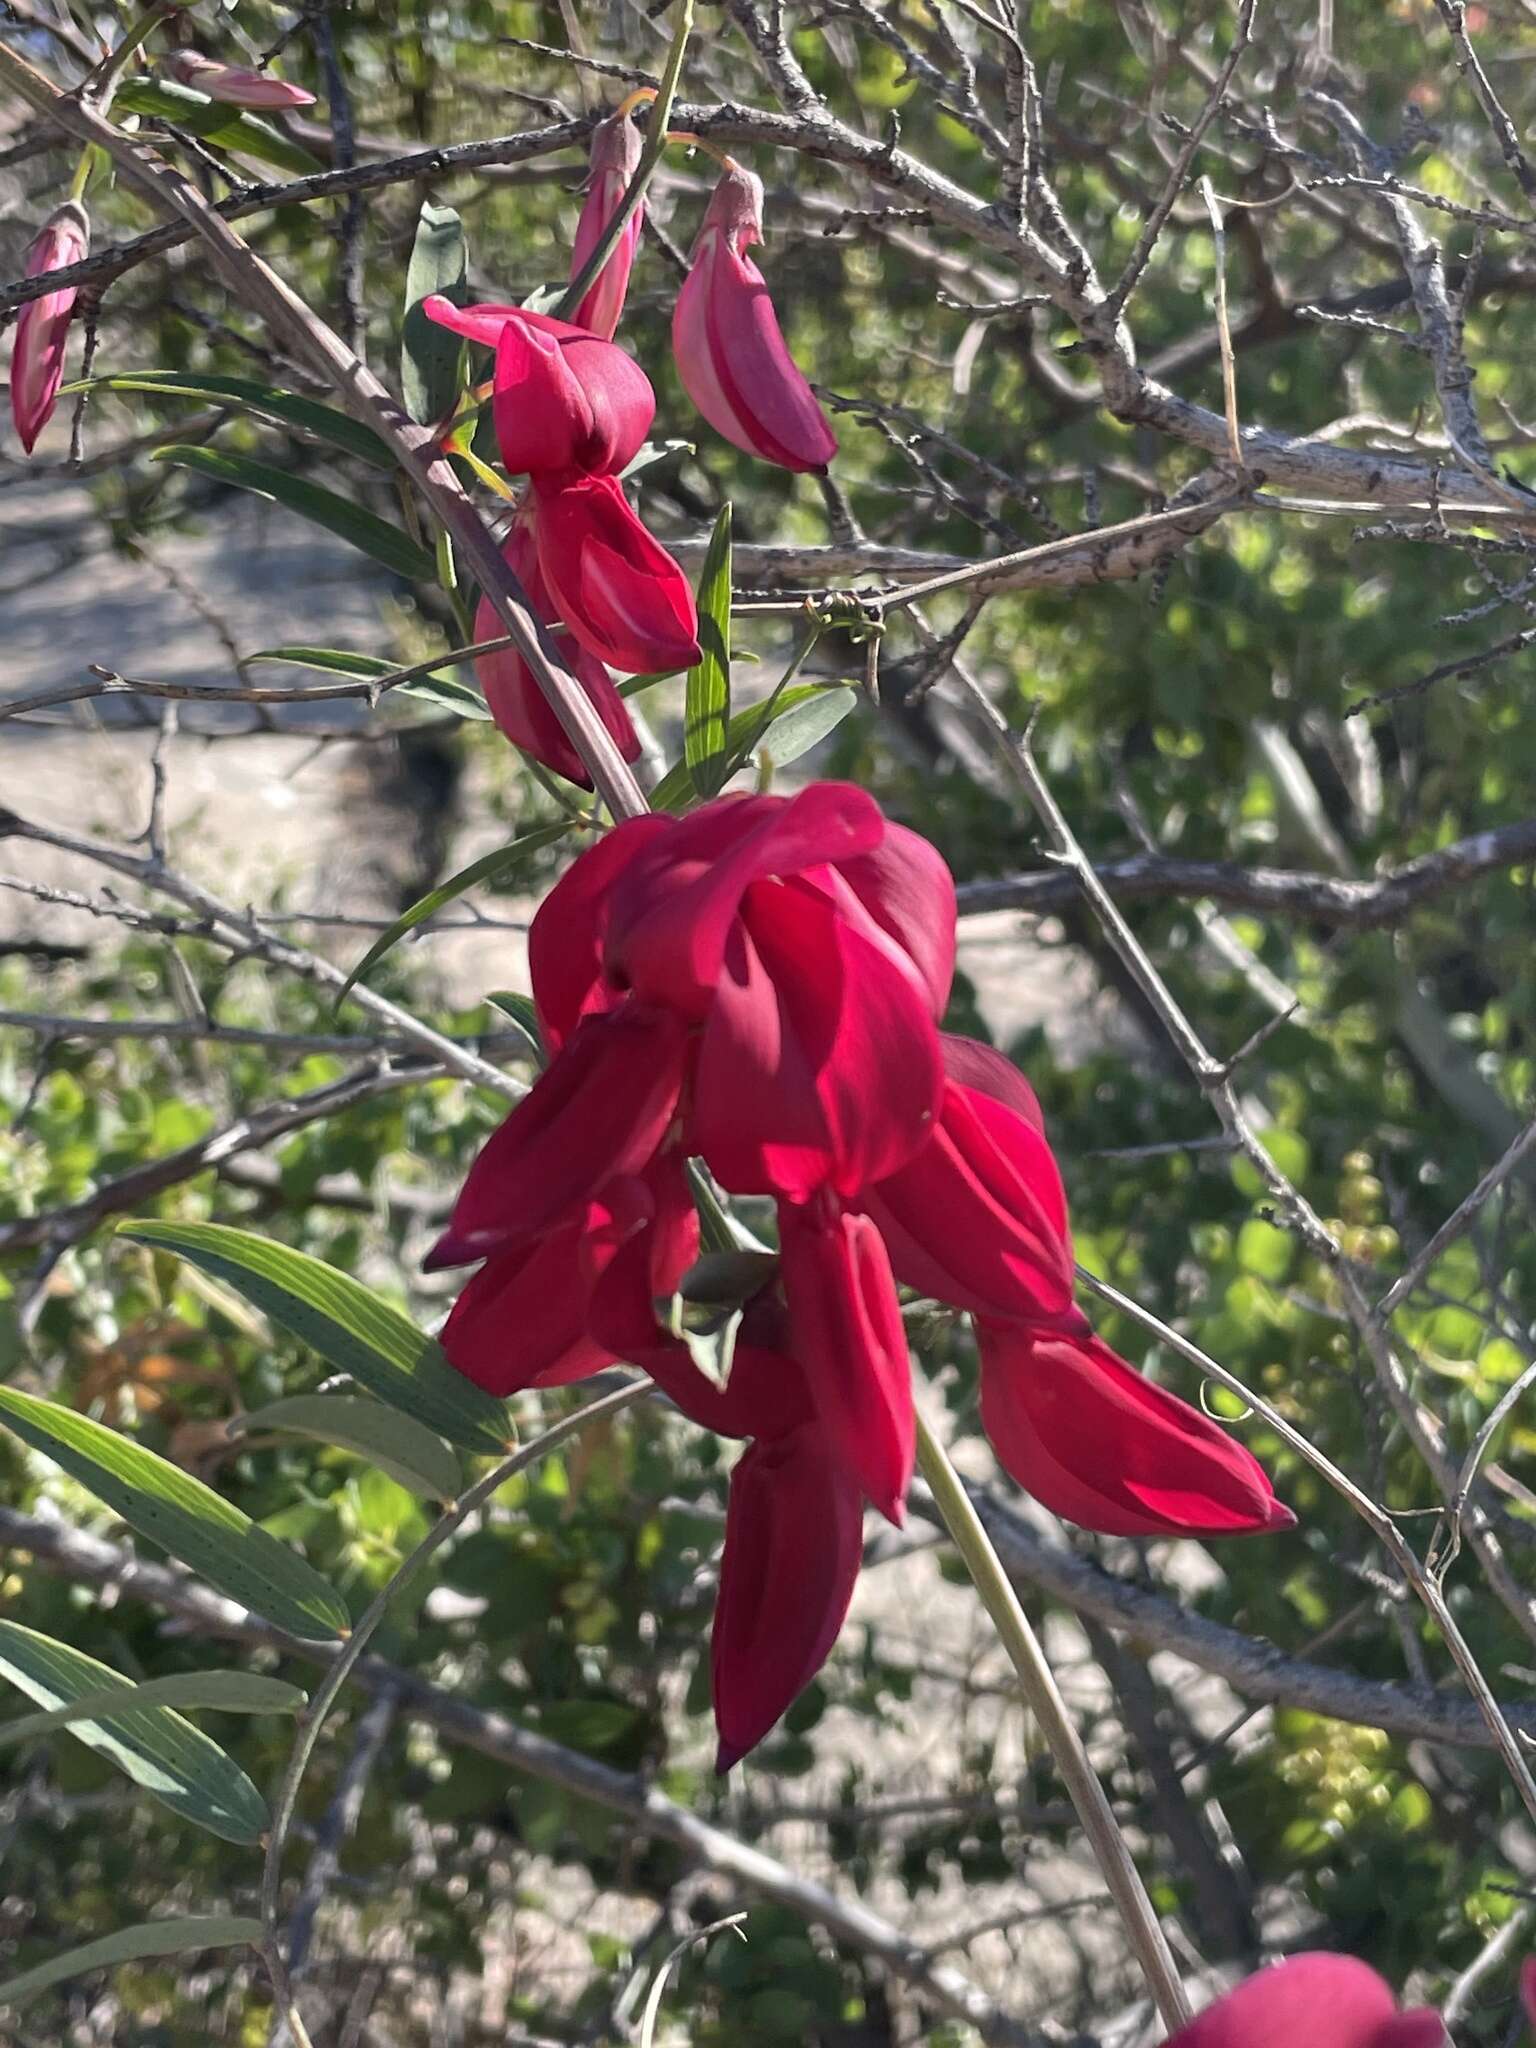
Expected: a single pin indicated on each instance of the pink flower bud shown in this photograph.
(731, 354)
(235, 86)
(37, 359)
(616, 149)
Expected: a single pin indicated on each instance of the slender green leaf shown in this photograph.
(349, 1326)
(358, 527)
(449, 692)
(132, 1945)
(444, 687)
(398, 1444)
(158, 1500)
(795, 731)
(179, 1764)
(490, 867)
(231, 1692)
(652, 452)
(707, 712)
(745, 731)
(432, 357)
(215, 122)
(524, 1012)
(325, 422)
(335, 661)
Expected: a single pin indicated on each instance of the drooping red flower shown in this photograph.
(233, 84)
(1316, 2000)
(618, 591)
(42, 325)
(516, 702)
(758, 985)
(1528, 1989)
(731, 354)
(978, 1218)
(564, 400)
(848, 1335)
(1106, 1447)
(616, 150)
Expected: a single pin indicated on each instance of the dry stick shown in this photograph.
(66, 1226)
(1044, 1700)
(1224, 325)
(1335, 900)
(1157, 219)
(1458, 1222)
(414, 446)
(1215, 1080)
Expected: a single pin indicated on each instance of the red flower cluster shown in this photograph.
(571, 412)
(758, 985)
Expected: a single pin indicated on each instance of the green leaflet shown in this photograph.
(358, 527)
(185, 1769)
(197, 1526)
(347, 1324)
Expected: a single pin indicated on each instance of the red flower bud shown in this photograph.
(731, 354)
(233, 85)
(614, 585)
(616, 150)
(42, 326)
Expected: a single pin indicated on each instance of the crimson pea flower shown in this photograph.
(1528, 1988)
(794, 1518)
(616, 150)
(563, 399)
(1316, 2000)
(582, 1298)
(235, 86)
(1105, 1447)
(516, 702)
(978, 1218)
(620, 594)
(730, 350)
(42, 326)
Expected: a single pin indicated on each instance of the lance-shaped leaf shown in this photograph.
(495, 866)
(443, 686)
(350, 1328)
(398, 1444)
(803, 714)
(324, 422)
(231, 1692)
(350, 522)
(133, 1945)
(196, 1525)
(707, 708)
(432, 357)
(181, 1766)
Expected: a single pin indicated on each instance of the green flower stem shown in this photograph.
(341, 1670)
(1044, 1701)
(645, 170)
